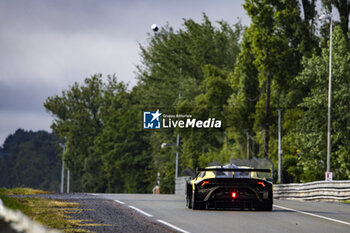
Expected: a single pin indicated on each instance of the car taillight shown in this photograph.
(261, 183)
(205, 182)
(233, 195)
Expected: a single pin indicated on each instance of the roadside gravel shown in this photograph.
(108, 215)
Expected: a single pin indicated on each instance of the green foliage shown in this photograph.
(211, 72)
(32, 161)
(186, 72)
(214, 92)
(105, 149)
(312, 131)
(205, 71)
(271, 52)
(241, 104)
(173, 61)
(123, 149)
(291, 171)
(77, 121)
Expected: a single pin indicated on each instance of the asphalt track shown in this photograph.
(287, 216)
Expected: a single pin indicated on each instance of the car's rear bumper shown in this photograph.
(246, 196)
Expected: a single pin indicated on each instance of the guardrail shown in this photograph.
(180, 185)
(15, 221)
(314, 191)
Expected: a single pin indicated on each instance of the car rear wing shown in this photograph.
(234, 169)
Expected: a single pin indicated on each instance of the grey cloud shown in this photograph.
(48, 45)
(28, 97)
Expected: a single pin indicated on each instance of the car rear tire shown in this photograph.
(266, 205)
(194, 203)
(189, 195)
(189, 201)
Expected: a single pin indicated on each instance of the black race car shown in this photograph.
(229, 186)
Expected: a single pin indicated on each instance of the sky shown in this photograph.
(46, 46)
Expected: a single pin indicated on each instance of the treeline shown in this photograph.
(241, 76)
(30, 159)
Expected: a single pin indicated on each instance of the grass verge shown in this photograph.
(51, 213)
(24, 191)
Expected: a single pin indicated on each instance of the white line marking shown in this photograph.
(141, 211)
(120, 202)
(172, 226)
(95, 194)
(314, 215)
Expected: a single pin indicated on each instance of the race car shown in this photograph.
(229, 186)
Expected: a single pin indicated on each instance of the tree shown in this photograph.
(264, 78)
(105, 145)
(32, 161)
(241, 104)
(122, 145)
(77, 120)
(210, 103)
(174, 75)
(172, 62)
(311, 128)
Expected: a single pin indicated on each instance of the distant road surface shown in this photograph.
(287, 216)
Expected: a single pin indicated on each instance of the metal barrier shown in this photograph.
(180, 185)
(315, 191)
(16, 221)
